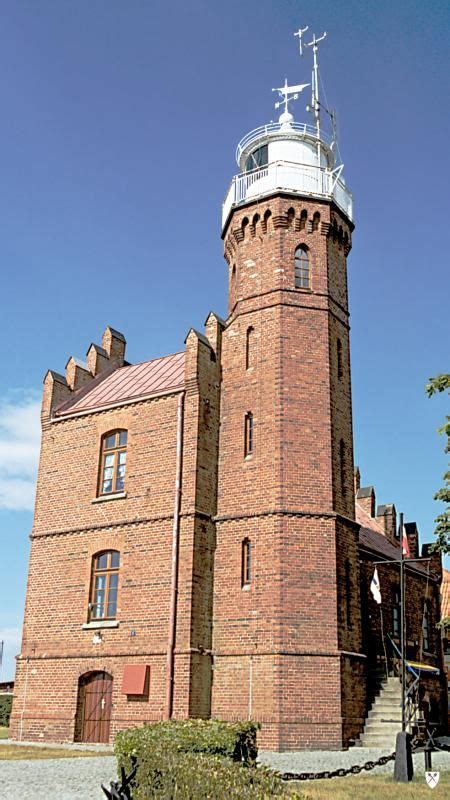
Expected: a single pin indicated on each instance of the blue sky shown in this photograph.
(119, 124)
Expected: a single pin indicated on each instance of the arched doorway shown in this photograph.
(94, 707)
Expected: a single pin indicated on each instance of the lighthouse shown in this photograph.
(287, 637)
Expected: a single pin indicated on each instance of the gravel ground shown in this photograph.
(56, 779)
(319, 760)
(64, 779)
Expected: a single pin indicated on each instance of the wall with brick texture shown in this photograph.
(70, 527)
(277, 643)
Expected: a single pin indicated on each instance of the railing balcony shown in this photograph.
(273, 130)
(304, 179)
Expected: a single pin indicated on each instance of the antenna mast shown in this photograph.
(315, 103)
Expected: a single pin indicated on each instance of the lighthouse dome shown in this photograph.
(290, 157)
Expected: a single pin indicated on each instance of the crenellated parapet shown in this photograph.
(100, 360)
(307, 219)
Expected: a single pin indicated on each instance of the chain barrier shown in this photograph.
(121, 790)
(416, 747)
(337, 773)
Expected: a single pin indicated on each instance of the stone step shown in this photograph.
(383, 706)
(376, 740)
(382, 728)
(390, 690)
(387, 698)
(392, 716)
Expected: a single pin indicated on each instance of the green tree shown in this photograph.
(441, 383)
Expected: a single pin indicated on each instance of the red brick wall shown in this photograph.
(286, 496)
(69, 528)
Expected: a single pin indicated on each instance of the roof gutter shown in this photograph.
(170, 661)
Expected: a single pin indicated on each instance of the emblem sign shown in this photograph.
(432, 779)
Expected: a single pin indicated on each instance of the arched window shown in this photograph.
(246, 563)
(290, 217)
(302, 268)
(250, 348)
(396, 613)
(113, 462)
(426, 627)
(316, 221)
(104, 583)
(248, 434)
(340, 366)
(303, 219)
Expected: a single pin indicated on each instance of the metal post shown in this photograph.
(402, 623)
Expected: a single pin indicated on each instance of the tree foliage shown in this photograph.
(441, 383)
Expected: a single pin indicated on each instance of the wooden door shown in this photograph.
(96, 706)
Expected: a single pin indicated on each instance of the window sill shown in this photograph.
(100, 623)
(245, 587)
(113, 496)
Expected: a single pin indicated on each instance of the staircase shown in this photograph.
(384, 719)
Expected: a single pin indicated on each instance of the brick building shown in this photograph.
(196, 548)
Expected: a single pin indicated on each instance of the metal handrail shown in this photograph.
(411, 700)
(273, 128)
(308, 179)
(405, 660)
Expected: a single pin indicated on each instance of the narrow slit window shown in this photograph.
(250, 348)
(248, 434)
(340, 365)
(113, 462)
(396, 613)
(426, 628)
(246, 569)
(233, 283)
(342, 467)
(348, 590)
(302, 268)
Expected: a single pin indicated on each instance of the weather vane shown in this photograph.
(288, 93)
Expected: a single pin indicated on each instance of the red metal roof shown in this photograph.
(160, 376)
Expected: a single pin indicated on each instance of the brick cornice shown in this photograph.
(129, 654)
(119, 524)
(282, 301)
(288, 512)
(295, 653)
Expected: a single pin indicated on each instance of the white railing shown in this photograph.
(303, 179)
(274, 128)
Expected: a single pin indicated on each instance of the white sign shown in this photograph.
(432, 779)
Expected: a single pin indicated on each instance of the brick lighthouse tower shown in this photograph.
(287, 623)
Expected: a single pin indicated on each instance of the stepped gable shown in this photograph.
(134, 382)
